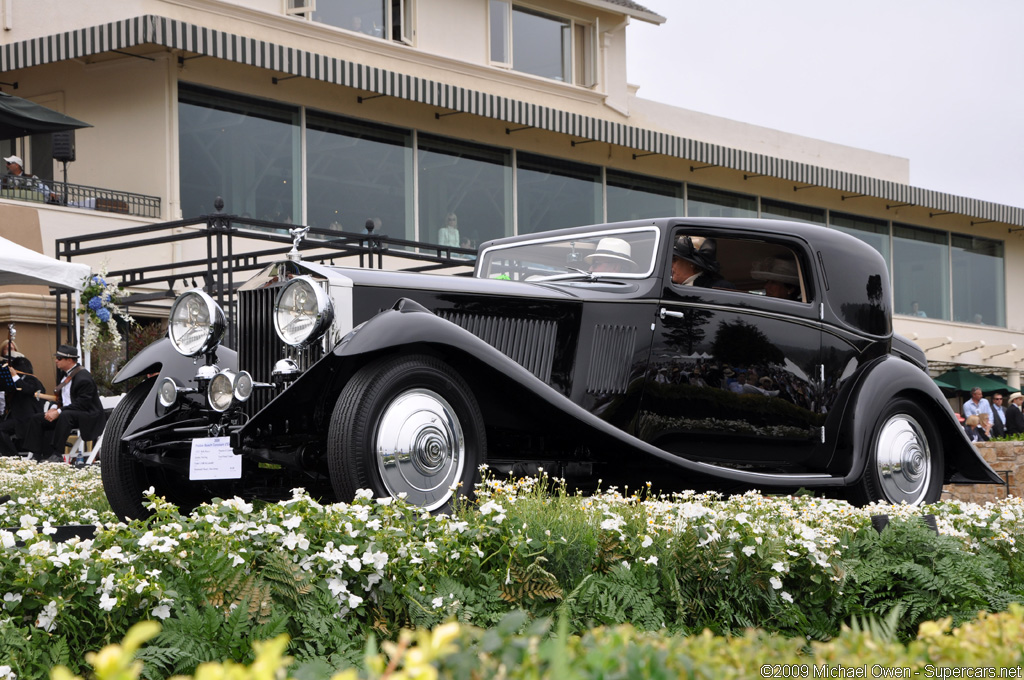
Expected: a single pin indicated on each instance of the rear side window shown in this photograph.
(744, 265)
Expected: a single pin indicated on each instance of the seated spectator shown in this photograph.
(973, 429)
(17, 178)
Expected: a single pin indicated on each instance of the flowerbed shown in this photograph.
(331, 576)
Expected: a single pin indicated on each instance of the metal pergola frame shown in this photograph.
(223, 260)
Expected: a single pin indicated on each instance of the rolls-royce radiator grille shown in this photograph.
(528, 342)
(259, 348)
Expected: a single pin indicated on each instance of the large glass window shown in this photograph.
(781, 210)
(358, 172)
(632, 197)
(978, 288)
(705, 202)
(542, 44)
(243, 149)
(465, 192)
(873, 232)
(389, 19)
(920, 271)
(553, 193)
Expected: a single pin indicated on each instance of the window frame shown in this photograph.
(404, 9)
(584, 75)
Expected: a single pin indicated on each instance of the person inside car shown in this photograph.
(695, 263)
(780, 276)
(612, 256)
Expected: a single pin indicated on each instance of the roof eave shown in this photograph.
(641, 15)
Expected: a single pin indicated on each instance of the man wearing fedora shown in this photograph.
(78, 406)
(1014, 415)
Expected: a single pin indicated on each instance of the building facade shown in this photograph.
(454, 122)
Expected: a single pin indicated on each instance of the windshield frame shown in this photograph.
(578, 270)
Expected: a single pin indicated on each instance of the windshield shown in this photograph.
(625, 253)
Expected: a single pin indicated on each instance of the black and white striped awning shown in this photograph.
(175, 34)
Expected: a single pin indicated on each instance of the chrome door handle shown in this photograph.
(675, 315)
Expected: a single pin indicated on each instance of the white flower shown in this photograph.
(7, 539)
(161, 612)
(46, 617)
(7, 674)
(364, 493)
(749, 550)
(786, 596)
(355, 564)
(238, 504)
(292, 522)
(438, 602)
(646, 543)
(12, 598)
(293, 539)
(106, 602)
(653, 559)
(776, 583)
(354, 601)
(386, 500)
(743, 518)
(779, 567)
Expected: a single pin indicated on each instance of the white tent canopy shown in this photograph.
(22, 266)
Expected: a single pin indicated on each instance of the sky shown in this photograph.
(939, 82)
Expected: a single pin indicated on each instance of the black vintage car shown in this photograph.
(690, 353)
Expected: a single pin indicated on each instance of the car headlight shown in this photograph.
(221, 391)
(196, 324)
(302, 312)
(242, 386)
(168, 392)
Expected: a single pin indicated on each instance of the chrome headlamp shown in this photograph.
(196, 324)
(167, 395)
(302, 313)
(228, 387)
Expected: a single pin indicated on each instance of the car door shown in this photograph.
(734, 373)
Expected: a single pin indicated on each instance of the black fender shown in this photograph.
(409, 327)
(887, 377)
(161, 358)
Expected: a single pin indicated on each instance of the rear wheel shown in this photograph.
(409, 427)
(905, 461)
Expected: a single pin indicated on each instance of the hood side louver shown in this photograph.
(528, 342)
(610, 359)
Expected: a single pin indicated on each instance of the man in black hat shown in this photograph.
(695, 263)
(22, 404)
(78, 406)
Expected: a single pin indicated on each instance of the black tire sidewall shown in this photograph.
(124, 478)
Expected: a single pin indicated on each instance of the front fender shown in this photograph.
(890, 376)
(161, 359)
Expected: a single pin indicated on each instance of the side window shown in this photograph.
(742, 265)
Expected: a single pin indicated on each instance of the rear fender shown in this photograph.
(890, 376)
(161, 360)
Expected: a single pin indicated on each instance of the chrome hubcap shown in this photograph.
(420, 448)
(903, 460)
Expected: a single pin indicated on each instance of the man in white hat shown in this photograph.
(1014, 415)
(612, 256)
(17, 178)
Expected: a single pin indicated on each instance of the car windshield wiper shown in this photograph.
(573, 273)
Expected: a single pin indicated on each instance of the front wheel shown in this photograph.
(905, 461)
(406, 427)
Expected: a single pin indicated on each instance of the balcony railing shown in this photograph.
(79, 196)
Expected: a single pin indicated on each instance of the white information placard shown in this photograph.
(212, 459)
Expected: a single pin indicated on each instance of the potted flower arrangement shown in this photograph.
(100, 312)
